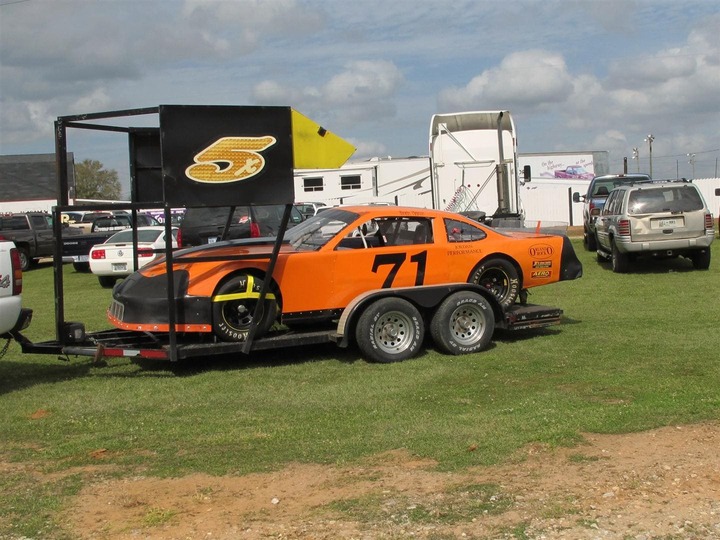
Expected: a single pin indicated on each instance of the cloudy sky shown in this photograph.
(577, 75)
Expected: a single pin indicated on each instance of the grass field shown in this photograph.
(635, 351)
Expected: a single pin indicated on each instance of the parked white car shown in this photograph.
(113, 259)
(12, 316)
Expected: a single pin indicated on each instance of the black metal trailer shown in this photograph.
(155, 184)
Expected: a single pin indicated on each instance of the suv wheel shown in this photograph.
(701, 259)
(620, 261)
(589, 241)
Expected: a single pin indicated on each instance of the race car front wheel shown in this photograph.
(234, 306)
(390, 330)
(464, 323)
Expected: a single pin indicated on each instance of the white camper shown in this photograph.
(472, 166)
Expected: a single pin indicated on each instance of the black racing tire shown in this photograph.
(107, 282)
(589, 241)
(390, 330)
(463, 323)
(81, 266)
(701, 259)
(233, 308)
(620, 261)
(500, 277)
(25, 260)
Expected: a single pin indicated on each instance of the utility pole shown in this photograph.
(636, 156)
(692, 162)
(649, 139)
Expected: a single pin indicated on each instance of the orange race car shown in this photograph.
(329, 261)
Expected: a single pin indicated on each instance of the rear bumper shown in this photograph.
(22, 322)
(677, 246)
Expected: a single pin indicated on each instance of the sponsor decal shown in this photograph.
(5, 282)
(230, 159)
(541, 274)
(541, 250)
(542, 264)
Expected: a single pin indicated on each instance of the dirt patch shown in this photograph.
(663, 483)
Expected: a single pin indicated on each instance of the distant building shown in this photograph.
(29, 182)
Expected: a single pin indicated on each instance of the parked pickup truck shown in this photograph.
(76, 248)
(32, 233)
(12, 316)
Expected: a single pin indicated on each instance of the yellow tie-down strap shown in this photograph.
(241, 295)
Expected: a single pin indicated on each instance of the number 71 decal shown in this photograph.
(396, 260)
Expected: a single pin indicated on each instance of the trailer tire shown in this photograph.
(233, 307)
(463, 323)
(500, 277)
(390, 330)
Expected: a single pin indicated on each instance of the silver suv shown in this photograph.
(657, 219)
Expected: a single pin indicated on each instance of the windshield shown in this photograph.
(665, 199)
(318, 230)
(143, 236)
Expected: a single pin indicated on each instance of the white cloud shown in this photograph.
(364, 91)
(526, 79)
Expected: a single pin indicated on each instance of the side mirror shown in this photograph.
(576, 197)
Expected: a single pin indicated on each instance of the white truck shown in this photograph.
(12, 316)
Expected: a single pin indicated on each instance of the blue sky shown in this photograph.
(577, 75)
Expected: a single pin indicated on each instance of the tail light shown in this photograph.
(594, 210)
(178, 238)
(16, 271)
(709, 222)
(97, 254)
(254, 230)
(624, 227)
(146, 252)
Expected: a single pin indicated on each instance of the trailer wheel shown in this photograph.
(500, 277)
(390, 330)
(233, 308)
(464, 323)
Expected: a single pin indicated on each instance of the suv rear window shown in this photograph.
(665, 199)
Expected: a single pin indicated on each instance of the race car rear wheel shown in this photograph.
(463, 323)
(233, 308)
(500, 277)
(390, 330)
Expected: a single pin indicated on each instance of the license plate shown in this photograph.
(668, 223)
(83, 258)
(119, 267)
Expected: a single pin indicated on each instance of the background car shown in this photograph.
(665, 219)
(113, 259)
(309, 209)
(594, 200)
(206, 225)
